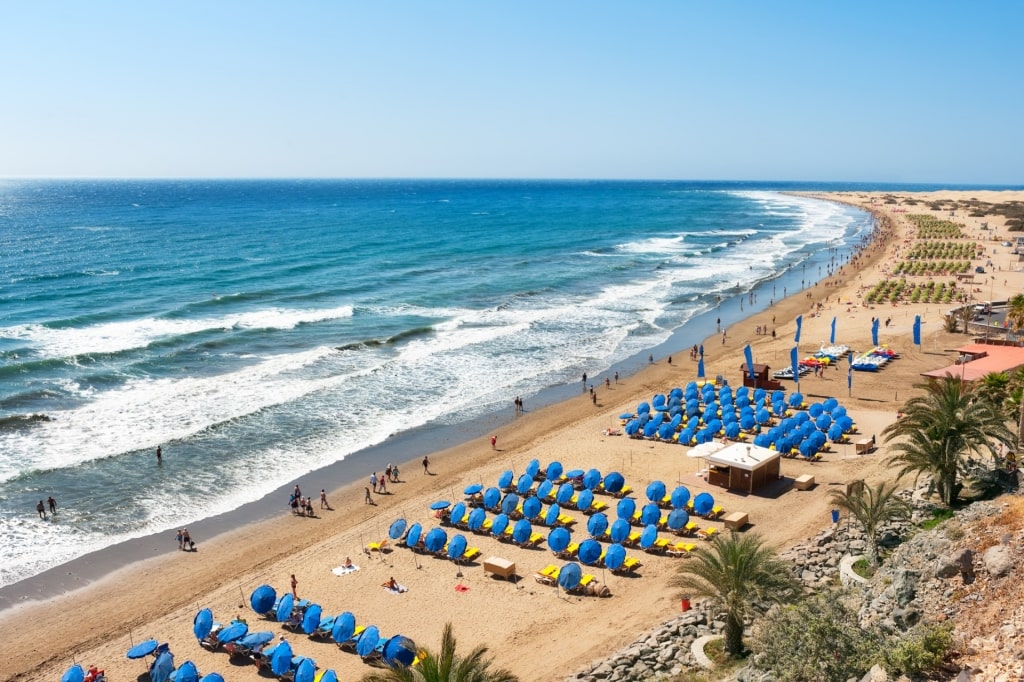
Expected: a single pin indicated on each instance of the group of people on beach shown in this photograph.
(41, 508)
(303, 506)
(185, 541)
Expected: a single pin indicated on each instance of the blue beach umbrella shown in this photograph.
(492, 496)
(213, 677)
(477, 518)
(329, 676)
(412, 538)
(832, 336)
(232, 632)
(591, 479)
(649, 535)
(656, 491)
(368, 640)
(613, 482)
(762, 440)
(202, 623)
(162, 667)
(187, 673)
(749, 355)
(874, 333)
(626, 415)
(651, 513)
(524, 484)
(544, 489)
(597, 524)
(558, 539)
(531, 507)
(815, 410)
(505, 480)
(584, 500)
(142, 649)
(306, 671)
(589, 551)
(703, 503)
(521, 531)
(399, 650)
(311, 619)
(281, 659)
(680, 496)
(551, 515)
(284, 608)
(473, 489)
(499, 525)
(458, 513)
(614, 557)
(575, 473)
(440, 504)
(626, 508)
(569, 576)
(677, 519)
(533, 468)
(255, 639)
(344, 627)
(799, 325)
(619, 530)
(73, 674)
(554, 471)
(565, 493)
(510, 503)
(700, 368)
(396, 529)
(435, 540)
(457, 547)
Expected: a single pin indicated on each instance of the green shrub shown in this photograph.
(920, 652)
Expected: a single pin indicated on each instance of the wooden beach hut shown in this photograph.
(743, 467)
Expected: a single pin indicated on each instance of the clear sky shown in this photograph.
(926, 91)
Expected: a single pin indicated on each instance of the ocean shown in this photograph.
(261, 330)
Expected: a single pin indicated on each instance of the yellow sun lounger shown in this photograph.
(382, 546)
(681, 549)
(707, 533)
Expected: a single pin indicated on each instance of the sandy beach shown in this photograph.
(532, 630)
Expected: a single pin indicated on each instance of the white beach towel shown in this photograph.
(343, 570)
(398, 590)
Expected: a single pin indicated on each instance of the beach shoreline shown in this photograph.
(163, 593)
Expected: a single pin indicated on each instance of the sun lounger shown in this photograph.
(349, 644)
(659, 546)
(569, 552)
(690, 528)
(597, 506)
(633, 539)
(707, 533)
(564, 520)
(548, 576)
(470, 554)
(715, 512)
(681, 549)
(382, 546)
(629, 565)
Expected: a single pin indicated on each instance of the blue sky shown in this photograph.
(865, 91)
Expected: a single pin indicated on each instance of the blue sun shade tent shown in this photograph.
(440, 504)
(284, 608)
(613, 482)
(619, 530)
(677, 519)
(544, 489)
(399, 650)
(142, 649)
(458, 513)
(473, 489)
(589, 551)
(531, 508)
(202, 623)
(703, 503)
(569, 576)
(565, 493)
(329, 676)
(649, 535)
(344, 627)
(524, 484)
(233, 632)
(651, 513)
(551, 515)
(457, 547)
(505, 480)
(815, 410)
(597, 524)
(558, 539)
(680, 496)
(499, 525)
(162, 668)
(412, 538)
(492, 496)
(255, 639)
(187, 673)
(591, 479)
(510, 503)
(554, 471)
(396, 529)
(212, 677)
(306, 672)
(476, 519)
(533, 468)
(614, 557)
(584, 500)
(73, 674)
(521, 531)
(281, 659)
(311, 619)
(626, 508)
(367, 641)
(435, 540)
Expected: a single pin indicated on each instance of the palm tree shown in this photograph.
(1015, 313)
(942, 428)
(994, 387)
(736, 572)
(872, 507)
(446, 666)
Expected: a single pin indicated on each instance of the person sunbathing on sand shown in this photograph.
(390, 584)
(348, 562)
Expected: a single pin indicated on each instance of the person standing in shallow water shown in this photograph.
(41, 509)
(159, 455)
(53, 503)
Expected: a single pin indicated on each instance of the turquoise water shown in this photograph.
(260, 330)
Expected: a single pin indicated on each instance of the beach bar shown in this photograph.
(743, 467)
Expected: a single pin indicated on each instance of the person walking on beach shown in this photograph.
(426, 466)
(394, 474)
(179, 537)
(382, 486)
(373, 481)
(368, 499)
(295, 587)
(186, 540)
(323, 499)
(41, 509)
(494, 442)
(52, 503)
(616, 377)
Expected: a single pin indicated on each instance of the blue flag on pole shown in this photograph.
(917, 330)
(874, 332)
(832, 336)
(799, 324)
(849, 379)
(700, 368)
(749, 354)
(796, 364)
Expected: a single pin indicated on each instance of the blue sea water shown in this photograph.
(279, 326)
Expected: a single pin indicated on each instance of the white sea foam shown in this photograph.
(114, 337)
